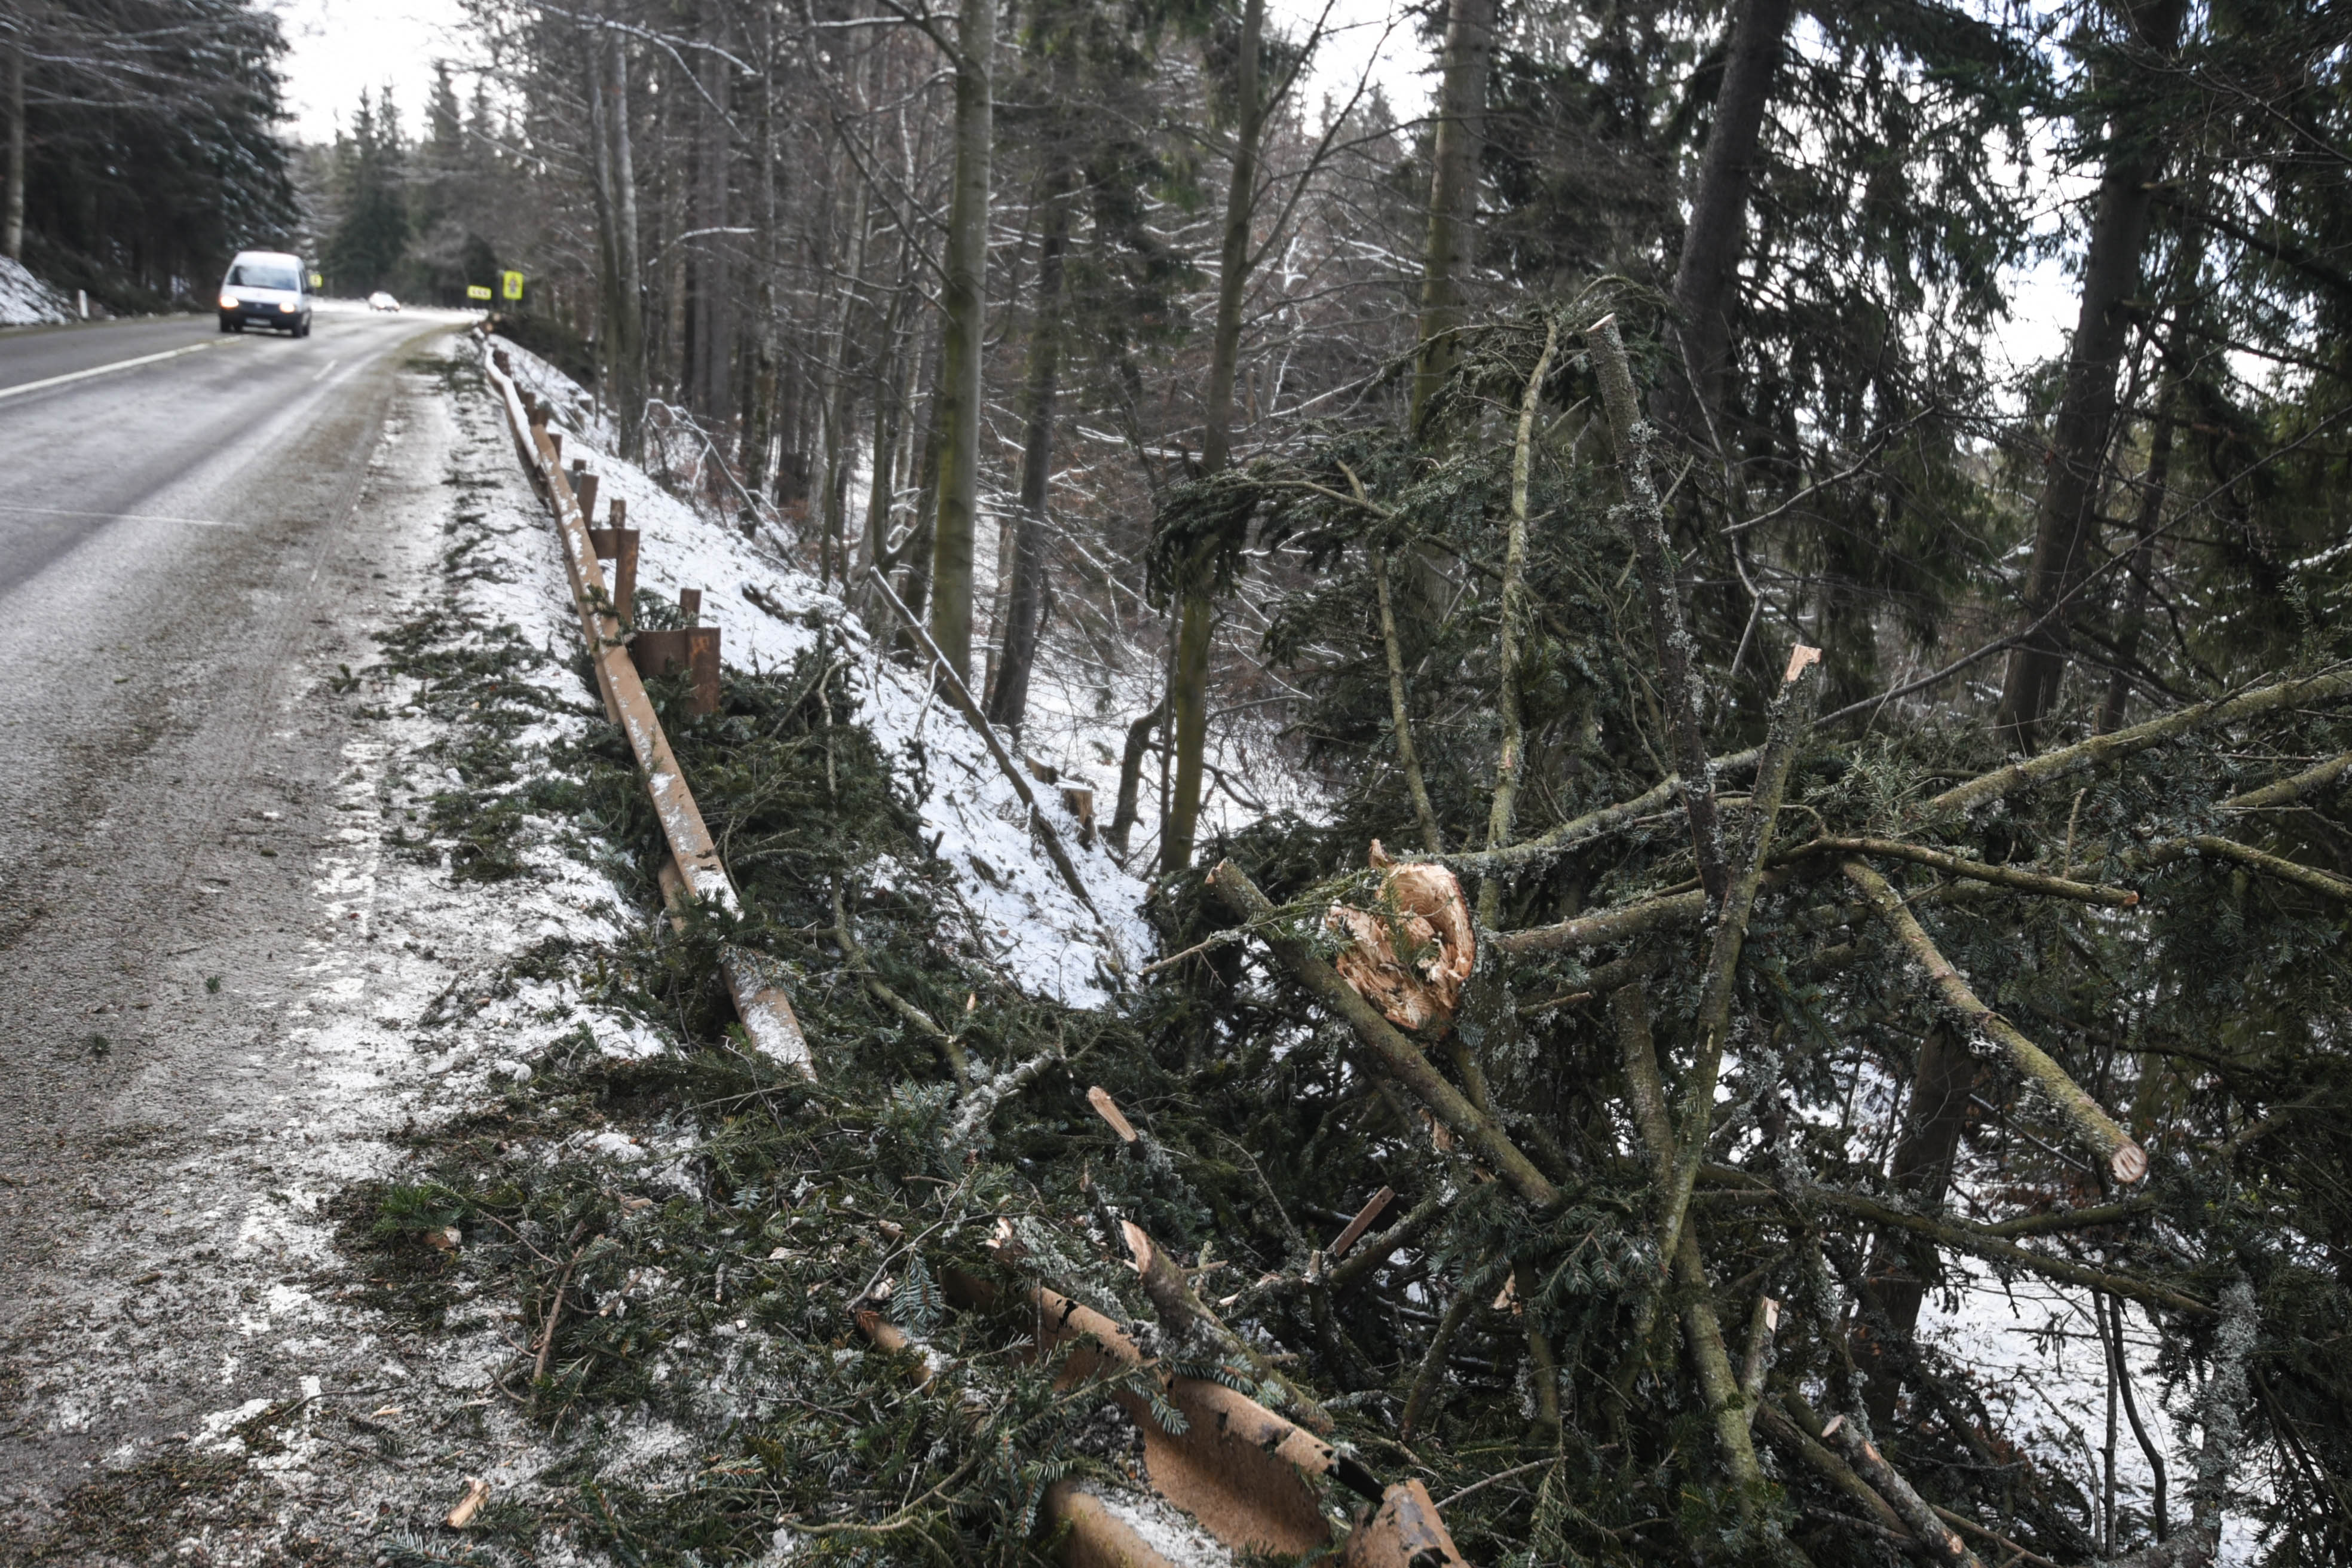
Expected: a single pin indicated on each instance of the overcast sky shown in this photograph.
(338, 46)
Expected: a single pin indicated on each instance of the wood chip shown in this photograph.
(1107, 1109)
(477, 1492)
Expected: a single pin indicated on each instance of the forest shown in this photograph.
(1719, 819)
(143, 144)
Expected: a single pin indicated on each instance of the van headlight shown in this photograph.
(228, 301)
(285, 306)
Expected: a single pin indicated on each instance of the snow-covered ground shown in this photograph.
(26, 300)
(769, 612)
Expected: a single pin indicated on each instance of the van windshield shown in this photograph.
(263, 275)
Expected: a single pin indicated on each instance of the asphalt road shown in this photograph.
(186, 560)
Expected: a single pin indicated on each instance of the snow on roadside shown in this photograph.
(1030, 925)
(26, 300)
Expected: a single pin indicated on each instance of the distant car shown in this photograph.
(380, 300)
(266, 287)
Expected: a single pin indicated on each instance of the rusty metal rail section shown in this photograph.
(765, 1011)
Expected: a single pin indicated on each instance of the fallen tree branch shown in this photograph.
(1977, 871)
(2089, 1121)
(2120, 743)
(1608, 925)
(1401, 715)
(1502, 813)
(960, 697)
(2292, 788)
(1644, 520)
(1995, 1248)
(2308, 878)
(1791, 1439)
(1942, 1542)
(1791, 710)
(921, 1022)
(1390, 1053)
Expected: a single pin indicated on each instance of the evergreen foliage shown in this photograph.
(151, 143)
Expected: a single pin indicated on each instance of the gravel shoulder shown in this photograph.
(243, 972)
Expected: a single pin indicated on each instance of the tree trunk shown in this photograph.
(1130, 779)
(964, 306)
(2066, 521)
(11, 203)
(1453, 190)
(707, 323)
(625, 353)
(927, 488)
(889, 415)
(2151, 515)
(1706, 277)
(1009, 702)
(1942, 1078)
(1189, 693)
(840, 428)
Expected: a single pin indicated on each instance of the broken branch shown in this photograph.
(2089, 1121)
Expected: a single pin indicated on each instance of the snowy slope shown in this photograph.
(26, 300)
(1029, 924)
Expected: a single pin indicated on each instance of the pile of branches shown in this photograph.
(1584, 1189)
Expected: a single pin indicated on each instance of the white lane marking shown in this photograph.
(323, 370)
(120, 516)
(103, 369)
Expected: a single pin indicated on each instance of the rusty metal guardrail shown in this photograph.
(766, 1012)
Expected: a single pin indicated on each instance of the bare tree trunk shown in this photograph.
(1009, 700)
(889, 415)
(2066, 521)
(2151, 515)
(1453, 190)
(964, 304)
(1504, 810)
(840, 431)
(622, 329)
(927, 489)
(1188, 691)
(627, 353)
(1943, 1076)
(1130, 779)
(12, 206)
(1708, 275)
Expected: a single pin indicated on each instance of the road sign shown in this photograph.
(513, 284)
(477, 290)
(318, 280)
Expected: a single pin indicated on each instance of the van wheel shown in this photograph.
(225, 326)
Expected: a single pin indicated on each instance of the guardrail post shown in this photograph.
(618, 543)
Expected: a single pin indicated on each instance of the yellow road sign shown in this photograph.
(318, 280)
(477, 290)
(513, 284)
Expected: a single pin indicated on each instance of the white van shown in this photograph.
(266, 287)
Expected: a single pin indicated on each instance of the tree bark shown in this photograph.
(2066, 522)
(1942, 1078)
(964, 305)
(12, 205)
(1504, 809)
(1008, 701)
(1401, 714)
(2134, 626)
(1131, 778)
(917, 591)
(1707, 275)
(1453, 191)
(625, 349)
(1189, 692)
